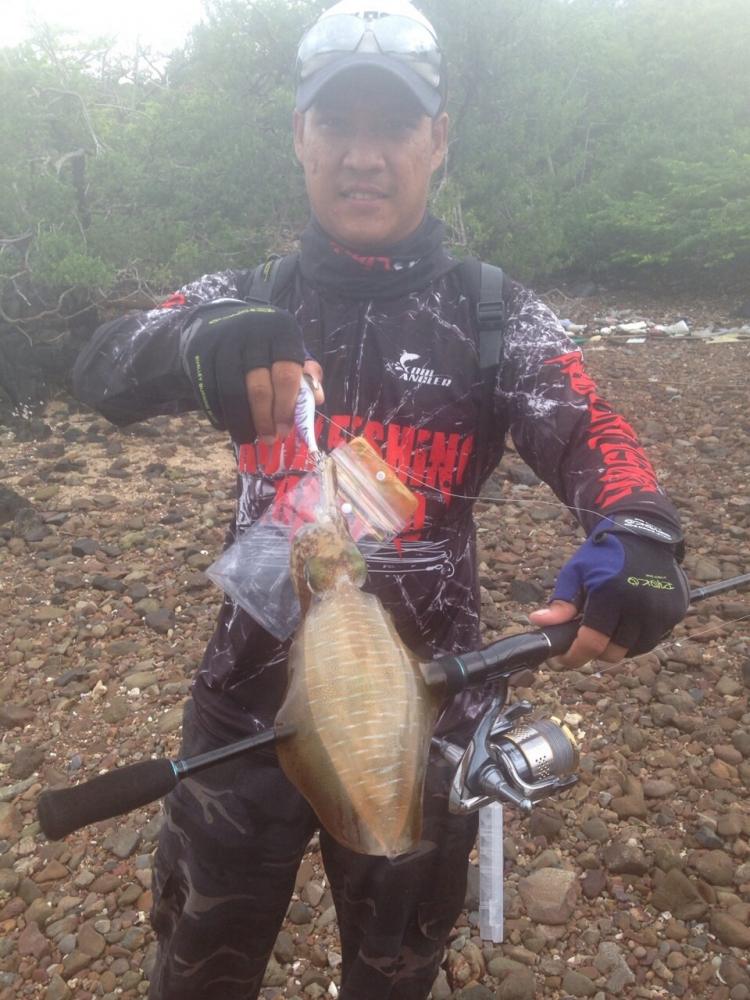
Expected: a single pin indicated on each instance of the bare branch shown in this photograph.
(162, 76)
(19, 322)
(17, 327)
(123, 108)
(9, 241)
(552, 292)
(99, 146)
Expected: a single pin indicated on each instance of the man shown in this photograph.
(376, 311)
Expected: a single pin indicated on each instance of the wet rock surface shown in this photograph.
(636, 883)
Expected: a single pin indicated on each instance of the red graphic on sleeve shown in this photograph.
(175, 300)
(626, 468)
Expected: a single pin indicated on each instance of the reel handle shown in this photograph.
(63, 810)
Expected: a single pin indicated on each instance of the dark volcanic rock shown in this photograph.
(625, 859)
(107, 583)
(84, 547)
(11, 503)
(679, 895)
(28, 524)
(160, 621)
(527, 592)
(15, 716)
(25, 762)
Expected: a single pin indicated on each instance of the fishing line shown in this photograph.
(522, 500)
(623, 665)
(705, 631)
(673, 643)
(466, 496)
(672, 384)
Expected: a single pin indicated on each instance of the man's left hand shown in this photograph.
(630, 590)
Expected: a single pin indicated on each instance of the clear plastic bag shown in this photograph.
(254, 570)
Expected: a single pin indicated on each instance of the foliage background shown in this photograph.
(599, 138)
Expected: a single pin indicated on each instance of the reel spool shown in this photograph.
(536, 753)
(509, 760)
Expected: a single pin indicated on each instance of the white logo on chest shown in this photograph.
(408, 369)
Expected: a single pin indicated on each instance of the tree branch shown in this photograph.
(99, 146)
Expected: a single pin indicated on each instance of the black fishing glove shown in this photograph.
(222, 344)
(626, 580)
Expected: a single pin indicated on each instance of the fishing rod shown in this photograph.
(508, 758)
(712, 589)
(511, 758)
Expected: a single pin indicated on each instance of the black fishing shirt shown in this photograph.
(403, 371)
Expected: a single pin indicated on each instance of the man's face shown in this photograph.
(368, 152)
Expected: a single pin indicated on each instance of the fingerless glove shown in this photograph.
(223, 343)
(627, 582)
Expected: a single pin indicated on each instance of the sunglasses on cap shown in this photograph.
(401, 38)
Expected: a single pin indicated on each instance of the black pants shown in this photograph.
(225, 870)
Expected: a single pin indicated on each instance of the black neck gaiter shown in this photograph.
(407, 266)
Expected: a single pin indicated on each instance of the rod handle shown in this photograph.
(525, 651)
(561, 636)
(63, 810)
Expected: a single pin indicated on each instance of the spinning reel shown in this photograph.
(511, 759)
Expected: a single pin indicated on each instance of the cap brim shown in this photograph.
(428, 97)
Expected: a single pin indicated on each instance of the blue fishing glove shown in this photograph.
(224, 342)
(626, 581)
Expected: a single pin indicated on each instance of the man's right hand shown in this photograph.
(245, 365)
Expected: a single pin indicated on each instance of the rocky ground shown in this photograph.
(634, 884)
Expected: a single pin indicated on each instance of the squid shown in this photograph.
(361, 712)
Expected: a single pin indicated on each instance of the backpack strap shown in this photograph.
(269, 279)
(268, 282)
(483, 284)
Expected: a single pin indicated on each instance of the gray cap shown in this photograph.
(391, 36)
